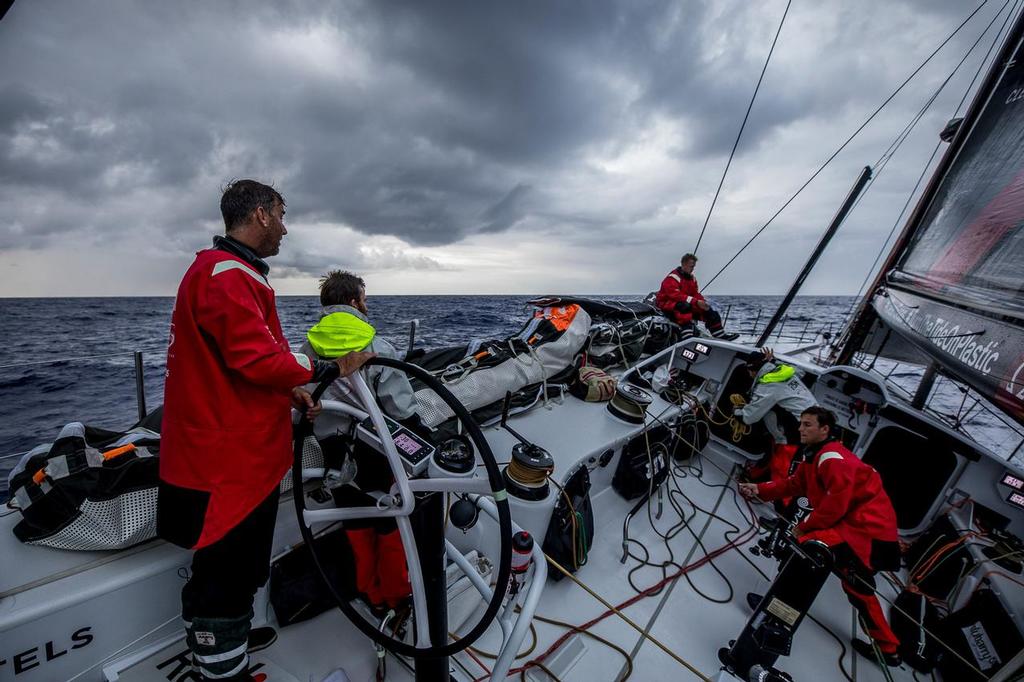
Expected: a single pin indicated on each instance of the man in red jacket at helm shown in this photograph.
(227, 430)
(680, 299)
(851, 514)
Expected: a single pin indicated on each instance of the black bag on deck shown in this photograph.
(571, 529)
(639, 469)
(917, 648)
(983, 633)
(297, 590)
(91, 489)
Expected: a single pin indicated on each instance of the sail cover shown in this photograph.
(957, 291)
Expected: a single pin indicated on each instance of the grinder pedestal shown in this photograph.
(769, 631)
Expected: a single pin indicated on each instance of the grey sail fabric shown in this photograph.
(955, 295)
(532, 364)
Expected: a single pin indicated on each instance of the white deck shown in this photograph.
(683, 621)
(691, 626)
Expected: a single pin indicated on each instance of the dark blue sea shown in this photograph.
(71, 359)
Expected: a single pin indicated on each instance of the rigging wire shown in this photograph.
(847, 142)
(743, 125)
(629, 621)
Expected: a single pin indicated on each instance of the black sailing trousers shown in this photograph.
(226, 574)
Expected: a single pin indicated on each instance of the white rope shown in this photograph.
(126, 646)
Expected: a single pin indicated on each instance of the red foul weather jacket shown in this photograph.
(849, 504)
(676, 288)
(226, 434)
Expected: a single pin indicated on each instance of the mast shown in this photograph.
(833, 227)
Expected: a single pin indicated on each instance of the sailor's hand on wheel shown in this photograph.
(748, 490)
(353, 361)
(301, 398)
(769, 354)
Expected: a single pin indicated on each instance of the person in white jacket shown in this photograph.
(343, 328)
(776, 385)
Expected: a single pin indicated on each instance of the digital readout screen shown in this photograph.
(407, 444)
(1016, 499)
(1013, 481)
(689, 355)
(702, 348)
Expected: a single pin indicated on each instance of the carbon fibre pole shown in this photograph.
(858, 187)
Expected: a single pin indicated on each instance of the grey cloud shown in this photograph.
(435, 122)
(510, 210)
(297, 261)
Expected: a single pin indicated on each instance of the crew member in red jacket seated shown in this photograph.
(680, 299)
(851, 514)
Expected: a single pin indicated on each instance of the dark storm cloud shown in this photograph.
(428, 121)
(510, 210)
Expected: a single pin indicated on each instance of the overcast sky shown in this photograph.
(461, 147)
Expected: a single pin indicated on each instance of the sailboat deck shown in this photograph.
(688, 624)
(678, 617)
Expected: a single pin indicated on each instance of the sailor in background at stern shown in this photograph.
(680, 299)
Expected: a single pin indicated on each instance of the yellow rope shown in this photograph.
(527, 475)
(739, 429)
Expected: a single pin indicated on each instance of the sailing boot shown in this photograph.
(713, 322)
(260, 638)
(867, 650)
(219, 647)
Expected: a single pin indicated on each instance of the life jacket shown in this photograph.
(559, 316)
(779, 374)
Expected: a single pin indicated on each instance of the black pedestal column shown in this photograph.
(428, 527)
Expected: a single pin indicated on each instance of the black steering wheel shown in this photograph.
(304, 429)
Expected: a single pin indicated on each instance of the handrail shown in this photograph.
(54, 361)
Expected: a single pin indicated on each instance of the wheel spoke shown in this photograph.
(419, 596)
(480, 486)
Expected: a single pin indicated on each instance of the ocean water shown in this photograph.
(71, 359)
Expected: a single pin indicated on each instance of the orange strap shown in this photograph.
(39, 476)
(117, 452)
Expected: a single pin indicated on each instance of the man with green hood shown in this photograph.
(381, 572)
(777, 398)
(344, 328)
(776, 384)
